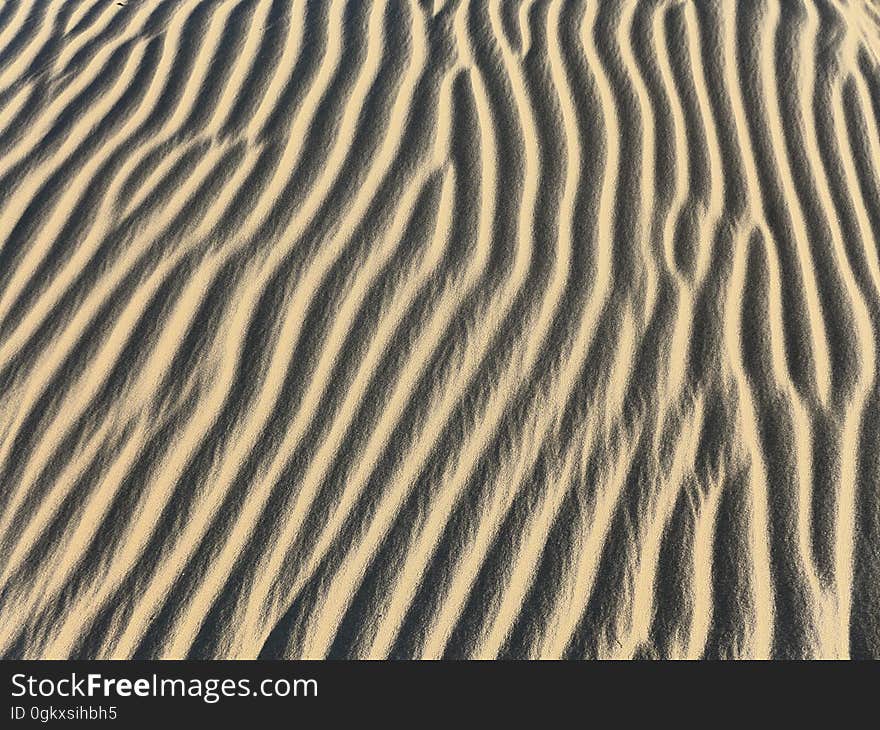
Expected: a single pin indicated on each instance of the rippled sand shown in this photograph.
(398, 328)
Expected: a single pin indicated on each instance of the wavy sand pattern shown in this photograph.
(400, 328)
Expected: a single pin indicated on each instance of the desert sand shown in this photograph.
(451, 329)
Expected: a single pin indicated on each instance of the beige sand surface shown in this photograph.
(443, 329)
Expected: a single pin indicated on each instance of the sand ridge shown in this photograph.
(439, 328)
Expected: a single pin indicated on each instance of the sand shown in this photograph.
(439, 329)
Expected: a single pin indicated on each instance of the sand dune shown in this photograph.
(451, 329)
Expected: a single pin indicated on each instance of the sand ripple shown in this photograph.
(400, 328)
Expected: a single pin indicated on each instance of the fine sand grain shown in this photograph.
(439, 328)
